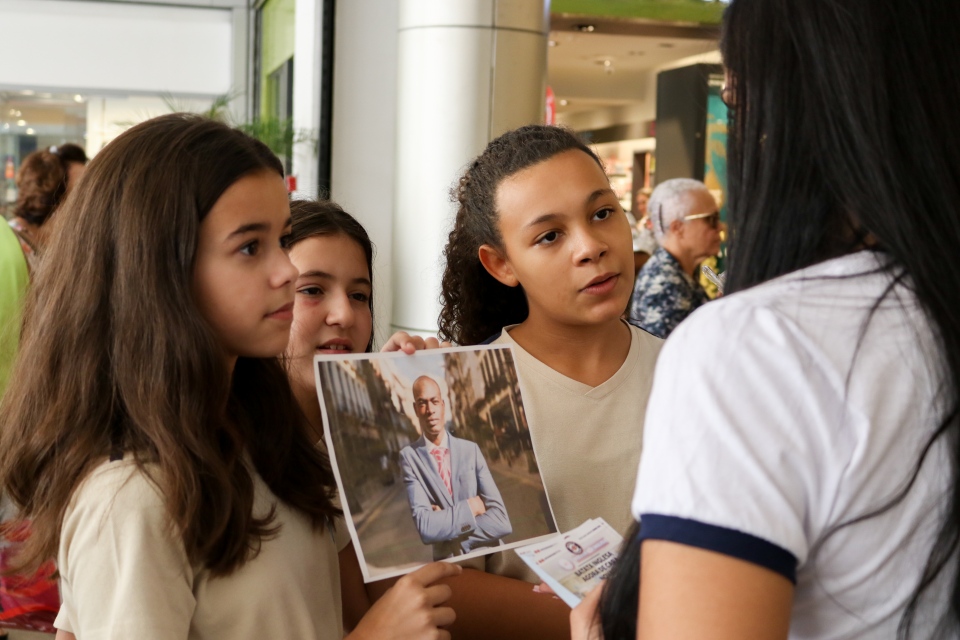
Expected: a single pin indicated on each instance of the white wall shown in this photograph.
(105, 47)
(364, 131)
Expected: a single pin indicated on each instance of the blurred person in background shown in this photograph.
(43, 182)
(13, 284)
(686, 223)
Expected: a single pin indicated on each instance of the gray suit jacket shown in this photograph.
(453, 530)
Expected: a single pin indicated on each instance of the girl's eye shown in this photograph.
(603, 214)
(360, 297)
(285, 241)
(548, 238)
(311, 291)
(251, 248)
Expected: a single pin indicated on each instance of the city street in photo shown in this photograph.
(432, 454)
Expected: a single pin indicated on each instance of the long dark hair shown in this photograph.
(476, 305)
(849, 133)
(310, 218)
(116, 358)
(843, 135)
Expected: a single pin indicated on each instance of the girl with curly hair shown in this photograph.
(541, 258)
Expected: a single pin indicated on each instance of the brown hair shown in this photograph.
(69, 152)
(310, 218)
(115, 357)
(475, 305)
(41, 186)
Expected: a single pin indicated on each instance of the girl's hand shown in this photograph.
(544, 588)
(410, 609)
(584, 623)
(403, 341)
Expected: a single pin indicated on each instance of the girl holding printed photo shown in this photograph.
(541, 258)
(149, 432)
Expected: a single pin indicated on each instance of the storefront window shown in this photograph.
(31, 120)
(276, 46)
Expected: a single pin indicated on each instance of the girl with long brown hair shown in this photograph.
(150, 434)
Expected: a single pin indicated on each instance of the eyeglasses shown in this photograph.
(712, 218)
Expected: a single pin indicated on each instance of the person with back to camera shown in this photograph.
(454, 500)
(149, 432)
(799, 475)
(687, 226)
(44, 180)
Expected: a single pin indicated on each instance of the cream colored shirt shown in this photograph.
(587, 440)
(124, 574)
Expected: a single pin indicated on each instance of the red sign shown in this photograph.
(551, 103)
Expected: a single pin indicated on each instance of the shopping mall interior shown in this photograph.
(377, 104)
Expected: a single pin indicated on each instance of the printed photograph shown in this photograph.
(433, 456)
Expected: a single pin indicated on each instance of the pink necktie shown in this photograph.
(442, 456)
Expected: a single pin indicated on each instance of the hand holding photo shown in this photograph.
(432, 454)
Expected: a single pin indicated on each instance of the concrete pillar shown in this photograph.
(468, 70)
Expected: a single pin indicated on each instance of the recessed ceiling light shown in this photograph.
(30, 132)
(78, 98)
(28, 92)
(564, 102)
(21, 123)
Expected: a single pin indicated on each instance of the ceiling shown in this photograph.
(696, 11)
(596, 63)
(30, 111)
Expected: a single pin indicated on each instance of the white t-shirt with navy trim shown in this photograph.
(780, 413)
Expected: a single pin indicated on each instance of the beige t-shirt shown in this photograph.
(124, 575)
(587, 440)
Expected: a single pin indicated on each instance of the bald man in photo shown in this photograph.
(454, 501)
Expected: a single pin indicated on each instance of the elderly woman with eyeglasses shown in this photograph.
(687, 226)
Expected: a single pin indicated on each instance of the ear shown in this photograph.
(497, 266)
(676, 228)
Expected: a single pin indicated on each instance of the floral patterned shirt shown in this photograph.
(663, 295)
